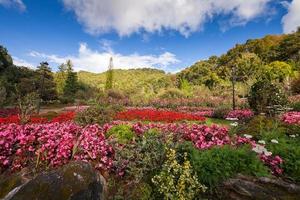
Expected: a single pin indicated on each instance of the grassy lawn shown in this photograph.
(210, 121)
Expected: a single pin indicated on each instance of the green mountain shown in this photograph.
(131, 80)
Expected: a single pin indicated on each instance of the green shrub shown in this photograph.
(296, 85)
(220, 163)
(172, 93)
(142, 191)
(289, 150)
(177, 181)
(143, 157)
(96, 114)
(264, 94)
(123, 133)
(221, 112)
(259, 125)
(296, 106)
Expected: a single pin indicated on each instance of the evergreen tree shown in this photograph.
(46, 85)
(71, 84)
(109, 76)
(60, 78)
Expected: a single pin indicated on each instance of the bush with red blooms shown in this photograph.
(240, 114)
(156, 115)
(291, 118)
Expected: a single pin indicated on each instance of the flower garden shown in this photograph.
(156, 151)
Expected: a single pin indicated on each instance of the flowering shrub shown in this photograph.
(205, 137)
(156, 115)
(273, 162)
(291, 118)
(52, 144)
(240, 114)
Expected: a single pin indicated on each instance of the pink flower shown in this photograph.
(240, 114)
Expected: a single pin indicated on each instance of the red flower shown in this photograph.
(64, 117)
(157, 115)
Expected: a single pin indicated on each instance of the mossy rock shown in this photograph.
(75, 181)
(10, 181)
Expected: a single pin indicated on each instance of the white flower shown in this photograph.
(259, 149)
(267, 153)
(293, 136)
(234, 124)
(261, 142)
(232, 119)
(274, 141)
(248, 136)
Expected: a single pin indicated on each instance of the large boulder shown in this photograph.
(8, 182)
(246, 188)
(74, 181)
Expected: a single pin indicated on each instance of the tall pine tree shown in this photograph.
(109, 76)
(71, 84)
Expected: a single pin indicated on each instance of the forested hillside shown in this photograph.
(273, 55)
(129, 80)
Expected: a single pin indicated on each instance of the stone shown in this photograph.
(10, 181)
(74, 181)
(271, 188)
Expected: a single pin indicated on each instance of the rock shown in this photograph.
(10, 181)
(74, 181)
(244, 187)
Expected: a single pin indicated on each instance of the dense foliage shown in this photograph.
(217, 164)
(265, 94)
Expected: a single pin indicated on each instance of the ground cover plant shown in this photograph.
(157, 115)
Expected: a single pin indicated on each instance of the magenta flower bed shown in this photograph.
(291, 118)
(55, 144)
(240, 114)
(52, 144)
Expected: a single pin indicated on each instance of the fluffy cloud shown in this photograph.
(185, 16)
(20, 62)
(292, 19)
(13, 3)
(95, 61)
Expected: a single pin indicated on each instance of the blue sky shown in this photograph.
(166, 34)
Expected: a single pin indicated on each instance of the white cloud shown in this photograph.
(186, 16)
(22, 63)
(292, 19)
(13, 3)
(95, 61)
